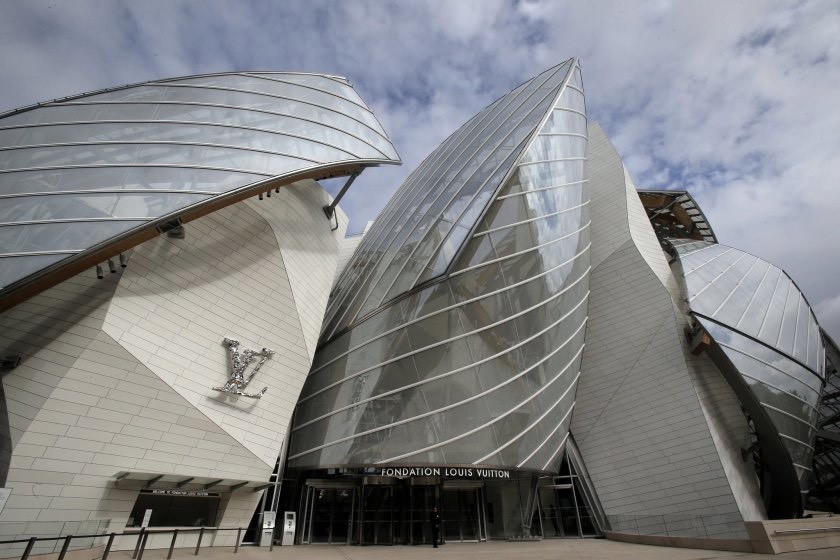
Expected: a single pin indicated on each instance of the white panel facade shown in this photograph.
(117, 373)
(655, 462)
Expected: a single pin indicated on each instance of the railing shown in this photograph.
(139, 548)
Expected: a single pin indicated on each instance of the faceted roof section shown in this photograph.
(675, 214)
(424, 226)
(86, 177)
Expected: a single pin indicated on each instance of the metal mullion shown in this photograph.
(313, 88)
(769, 303)
(104, 191)
(222, 106)
(450, 307)
(793, 439)
(191, 123)
(780, 411)
(756, 358)
(133, 165)
(159, 142)
(443, 375)
(502, 121)
(569, 109)
(763, 382)
(553, 455)
(707, 246)
(796, 328)
(476, 429)
(540, 446)
(475, 195)
(236, 90)
(698, 267)
(448, 158)
(524, 163)
(529, 220)
(782, 320)
(541, 189)
(538, 420)
(519, 253)
(41, 253)
(78, 220)
(409, 196)
(715, 279)
(469, 399)
(752, 297)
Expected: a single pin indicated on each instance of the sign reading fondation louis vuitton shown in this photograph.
(451, 472)
(239, 362)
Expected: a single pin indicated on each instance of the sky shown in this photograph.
(735, 101)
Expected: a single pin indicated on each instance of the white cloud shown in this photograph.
(733, 101)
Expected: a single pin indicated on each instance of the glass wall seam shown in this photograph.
(737, 285)
(539, 420)
(454, 372)
(217, 88)
(176, 122)
(495, 149)
(788, 414)
(164, 143)
(451, 307)
(559, 448)
(458, 337)
(529, 220)
(478, 428)
(225, 106)
(520, 253)
(521, 193)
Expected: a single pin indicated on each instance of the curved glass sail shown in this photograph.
(76, 173)
(767, 340)
(471, 354)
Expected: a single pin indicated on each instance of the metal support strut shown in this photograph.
(329, 210)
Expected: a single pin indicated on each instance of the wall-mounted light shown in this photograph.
(99, 273)
(123, 260)
(111, 266)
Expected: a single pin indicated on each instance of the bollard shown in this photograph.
(238, 534)
(64, 547)
(172, 544)
(139, 540)
(108, 546)
(143, 546)
(198, 544)
(28, 549)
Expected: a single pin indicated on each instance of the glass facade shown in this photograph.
(769, 336)
(76, 173)
(476, 360)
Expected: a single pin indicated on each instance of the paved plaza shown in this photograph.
(568, 549)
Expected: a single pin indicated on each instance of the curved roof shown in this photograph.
(751, 296)
(86, 177)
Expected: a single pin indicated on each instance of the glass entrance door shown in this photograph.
(377, 515)
(559, 511)
(462, 513)
(422, 502)
(328, 515)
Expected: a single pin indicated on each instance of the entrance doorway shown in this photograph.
(562, 512)
(328, 514)
(462, 512)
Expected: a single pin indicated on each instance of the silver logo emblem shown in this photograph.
(240, 362)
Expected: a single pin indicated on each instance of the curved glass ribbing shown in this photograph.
(481, 366)
(753, 297)
(77, 172)
(417, 234)
(768, 333)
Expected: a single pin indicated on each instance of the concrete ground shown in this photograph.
(567, 549)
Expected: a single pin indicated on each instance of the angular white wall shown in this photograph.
(642, 423)
(117, 373)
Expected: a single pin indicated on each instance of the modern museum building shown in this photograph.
(521, 339)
